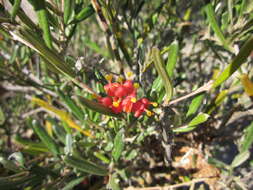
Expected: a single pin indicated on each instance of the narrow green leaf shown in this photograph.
(173, 50)
(45, 138)
(118, 145)
(240, 159)
(196, 102)
(84, 14)
(172, 58)
(217, 101)
(235, 63)
(30, 143)
(67, 11)
(15, 8)
(248, 138)
(212, 21)
(217, 163)
(97, 107)
(161, 69)
(58, 130)
(34, 42)
(2, 117)
(200, 118)
(12, 184)
(85, 166)
(76, 110)
(183, 129)
(69, 144)
(102, 157)
(73, 183)
(40, 8)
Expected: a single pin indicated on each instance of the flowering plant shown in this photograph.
(122, 97)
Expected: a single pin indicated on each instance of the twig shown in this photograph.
(206, 87)
(10, 87)
(170, 187)
(25, 115)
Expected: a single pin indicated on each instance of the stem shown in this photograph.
(205, 87)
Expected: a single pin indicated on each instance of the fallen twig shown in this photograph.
(206, 87)
(170, 187)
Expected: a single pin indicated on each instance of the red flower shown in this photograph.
(111, 88)
(122, 98)
(129, 86)
(106, 101)
(128, 103)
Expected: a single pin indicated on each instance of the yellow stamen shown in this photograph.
(116, 104)
(129, 74)
(149, 113)
(133, 100)
(108, 77)
(120, 79)
(136, 85)
(154, 104)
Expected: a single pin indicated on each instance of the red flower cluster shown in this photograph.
(122, 98)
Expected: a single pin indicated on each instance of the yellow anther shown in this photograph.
(136, 85)
(149, 113)
(154, 104)
(120, 79)
(133, 100)
(115, 104)
(108, 77)
(129, 74)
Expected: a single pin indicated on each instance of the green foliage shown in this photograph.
(54, 58)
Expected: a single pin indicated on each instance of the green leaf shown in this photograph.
(248, 138)
(235, 63)
(67, 10)
(196, 102)
(15, 9)
(240, 159)
(183, 129)
(217, 163)
(40, 8)
(171, 63)
(217, 101)
(38, 147)
(200, 118)
(85, 166)
(102, 157)
(84, 14)
(76, 110)
(2, 117)
(212, 20)
(45, 138)
(69, 144)
(161, 69)
(172, 58)
(97, 107)
(118, 145)
(9, 183)
(33, 41)
(73, 183)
